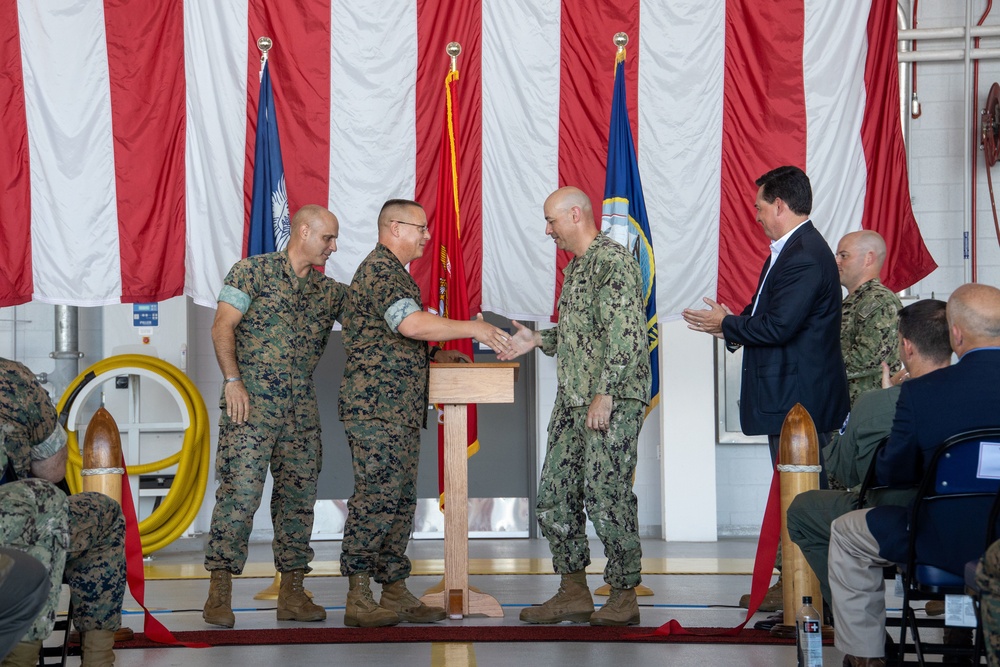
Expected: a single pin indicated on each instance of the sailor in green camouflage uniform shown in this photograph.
(79, 539)
(988, 579)
(869, 314)
(273, 322)
(603, 387)
(383, 404)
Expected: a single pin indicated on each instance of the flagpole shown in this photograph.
(454, 49)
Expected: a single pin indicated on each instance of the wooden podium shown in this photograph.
(455, 386)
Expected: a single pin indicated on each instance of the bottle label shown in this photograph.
(811, 643)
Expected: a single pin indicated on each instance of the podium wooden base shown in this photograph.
(439, 588)
(480, 604)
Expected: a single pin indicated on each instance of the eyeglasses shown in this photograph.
(421, 228)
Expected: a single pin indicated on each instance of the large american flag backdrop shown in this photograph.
(127, 131)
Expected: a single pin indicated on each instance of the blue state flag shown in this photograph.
(269, 221)
(623, 215)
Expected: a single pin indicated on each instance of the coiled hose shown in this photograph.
(184, 497)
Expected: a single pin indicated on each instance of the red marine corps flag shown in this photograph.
(449, 294)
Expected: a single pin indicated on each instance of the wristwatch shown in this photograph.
(432, 352)
(234, 379)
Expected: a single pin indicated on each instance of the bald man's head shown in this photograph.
(569, 219)
(860, 256)
(974, 317)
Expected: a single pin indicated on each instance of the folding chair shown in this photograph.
(952, 507)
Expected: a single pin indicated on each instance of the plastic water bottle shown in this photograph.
(809, 634)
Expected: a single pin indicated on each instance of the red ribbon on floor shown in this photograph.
(763, 566)
(152, 628)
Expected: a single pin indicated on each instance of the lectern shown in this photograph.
(456, 386)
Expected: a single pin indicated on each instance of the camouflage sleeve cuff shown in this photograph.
(235, 298)
(399, 311)
(550, 337)
(50, 446)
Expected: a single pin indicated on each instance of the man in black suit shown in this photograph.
(930, 409)
(790, 332)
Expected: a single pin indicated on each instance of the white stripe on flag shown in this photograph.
(74, 221)
(215, 54)
(680, 145)
(520, 154)
(834, 80)
(373, 144)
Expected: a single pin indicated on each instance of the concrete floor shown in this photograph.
(693, 599)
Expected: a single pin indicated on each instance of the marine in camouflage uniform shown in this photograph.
(383, 403)
(600, 345)
(868, 336)
(284, 328)
(80, 539)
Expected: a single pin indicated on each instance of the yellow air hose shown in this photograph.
(183, 500)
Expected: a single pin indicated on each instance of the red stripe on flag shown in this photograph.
(300, 74)
(148, 120)
(586, 87)
(438, 23)
(763, 127)
(887, 194)
(15, 186)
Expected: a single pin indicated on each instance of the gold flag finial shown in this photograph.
(264, 44)
(454, 49)
(620, 40)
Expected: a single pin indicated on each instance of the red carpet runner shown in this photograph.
(443, 633)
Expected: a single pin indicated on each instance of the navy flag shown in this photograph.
(269, 220)
(623, 214)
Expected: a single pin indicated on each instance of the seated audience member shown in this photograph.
(79, 539)
(988, 579)
(24, 588)
(923, 347)
(930, 409)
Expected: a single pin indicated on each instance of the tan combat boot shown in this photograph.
(620, 609)
(774, 600)
(572, 602)
(293, 602)
(97, 648)
(407, 606)
(219, 606)
(24, 654)
(362, 611)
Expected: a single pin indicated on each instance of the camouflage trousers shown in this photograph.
(592, 470)
(79, 539)
(988, 578)
(380, 511)
(295, 456)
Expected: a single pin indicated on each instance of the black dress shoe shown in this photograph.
(769, 622)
